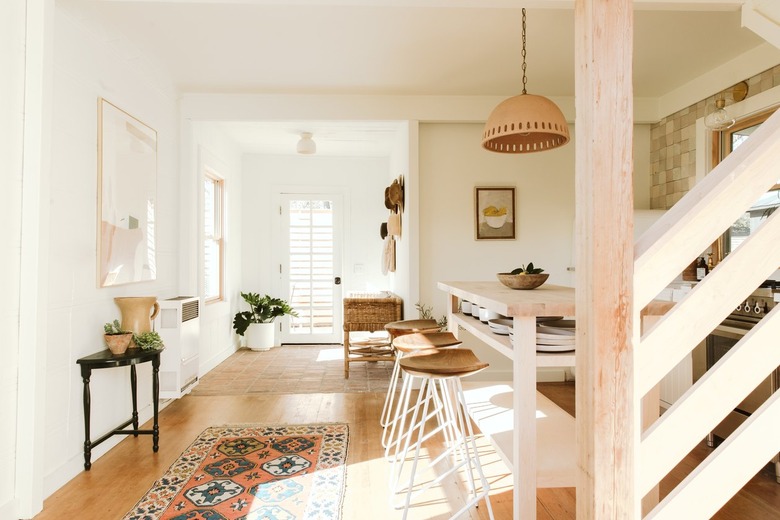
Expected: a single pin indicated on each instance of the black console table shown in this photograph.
(106, 359)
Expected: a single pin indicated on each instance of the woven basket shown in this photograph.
(371, 311)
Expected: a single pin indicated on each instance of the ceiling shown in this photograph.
(401, 47)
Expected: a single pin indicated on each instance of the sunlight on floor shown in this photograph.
(438, 502)
(330, 354)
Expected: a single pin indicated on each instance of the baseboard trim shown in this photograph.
(210, 364)
(552, 375)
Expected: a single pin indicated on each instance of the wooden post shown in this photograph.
(607, 421)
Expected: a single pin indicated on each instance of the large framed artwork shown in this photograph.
(495, 213)
(127, 190)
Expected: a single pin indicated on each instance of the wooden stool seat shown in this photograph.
(443, 363)
(425, 340)
(399, 328)
(408, 344)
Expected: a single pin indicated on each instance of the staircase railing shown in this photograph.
(664, 251)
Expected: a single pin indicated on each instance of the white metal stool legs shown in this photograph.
(408, 344)
(438, 396)
(384, 419)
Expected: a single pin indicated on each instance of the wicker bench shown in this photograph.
(369, 312)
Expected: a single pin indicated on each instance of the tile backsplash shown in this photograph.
(673, 145)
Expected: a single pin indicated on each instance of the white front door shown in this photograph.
(310, 266)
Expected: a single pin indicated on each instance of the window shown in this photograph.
(213, 240)
(724, 143)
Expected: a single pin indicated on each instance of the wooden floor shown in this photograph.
(119, 478)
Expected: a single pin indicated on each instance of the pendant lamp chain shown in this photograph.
(525, 80)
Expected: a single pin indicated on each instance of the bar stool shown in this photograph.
(396, 329)
(438, 373)
(399, 328)
(406, 345)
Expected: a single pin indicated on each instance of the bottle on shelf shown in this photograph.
(710, 262)
(701, 268)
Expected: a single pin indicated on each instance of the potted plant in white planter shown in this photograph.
(257, 323)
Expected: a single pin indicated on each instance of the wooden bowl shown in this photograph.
(522, 281)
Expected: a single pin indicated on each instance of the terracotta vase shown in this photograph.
(137, 312)
(118, 343)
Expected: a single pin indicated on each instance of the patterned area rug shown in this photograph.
(251, 472)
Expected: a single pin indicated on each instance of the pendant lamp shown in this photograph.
(719, 119)
(306, 144)
(525, 123)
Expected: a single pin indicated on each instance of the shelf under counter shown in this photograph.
(503, 345)
(523, 307)
(490, 406)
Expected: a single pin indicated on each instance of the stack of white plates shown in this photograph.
(501, 326)
(554, 339)
(558, 323)
(505, 326)
(546, 319)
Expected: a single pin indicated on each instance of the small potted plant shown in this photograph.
(150, 340)
(117, 339)
(257, 323)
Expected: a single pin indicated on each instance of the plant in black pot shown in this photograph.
(257, 323)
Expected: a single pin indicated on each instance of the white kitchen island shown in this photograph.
(523, 306)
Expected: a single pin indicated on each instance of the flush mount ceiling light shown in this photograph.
(719, 119)
(306, 144)
(525, 123)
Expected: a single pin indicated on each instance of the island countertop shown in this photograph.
(547, 300)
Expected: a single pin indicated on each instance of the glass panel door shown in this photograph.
(311, 267)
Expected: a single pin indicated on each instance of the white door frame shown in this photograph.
(280, 249)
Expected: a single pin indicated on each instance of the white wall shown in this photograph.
(364, 179)
(403, 163)
(452, 164)
(89, 63)
(12, 39)
(204, 146)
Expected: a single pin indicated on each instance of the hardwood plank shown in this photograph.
(558, 503)
(120, 477)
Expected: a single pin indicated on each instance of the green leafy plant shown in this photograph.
(426, 313)
(148, 340)
(263, 309)
(527, 270)
(114, 329)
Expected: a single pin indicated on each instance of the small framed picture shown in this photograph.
(495, 213)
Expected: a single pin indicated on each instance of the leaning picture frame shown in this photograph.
(127, 192)
(494, 213)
